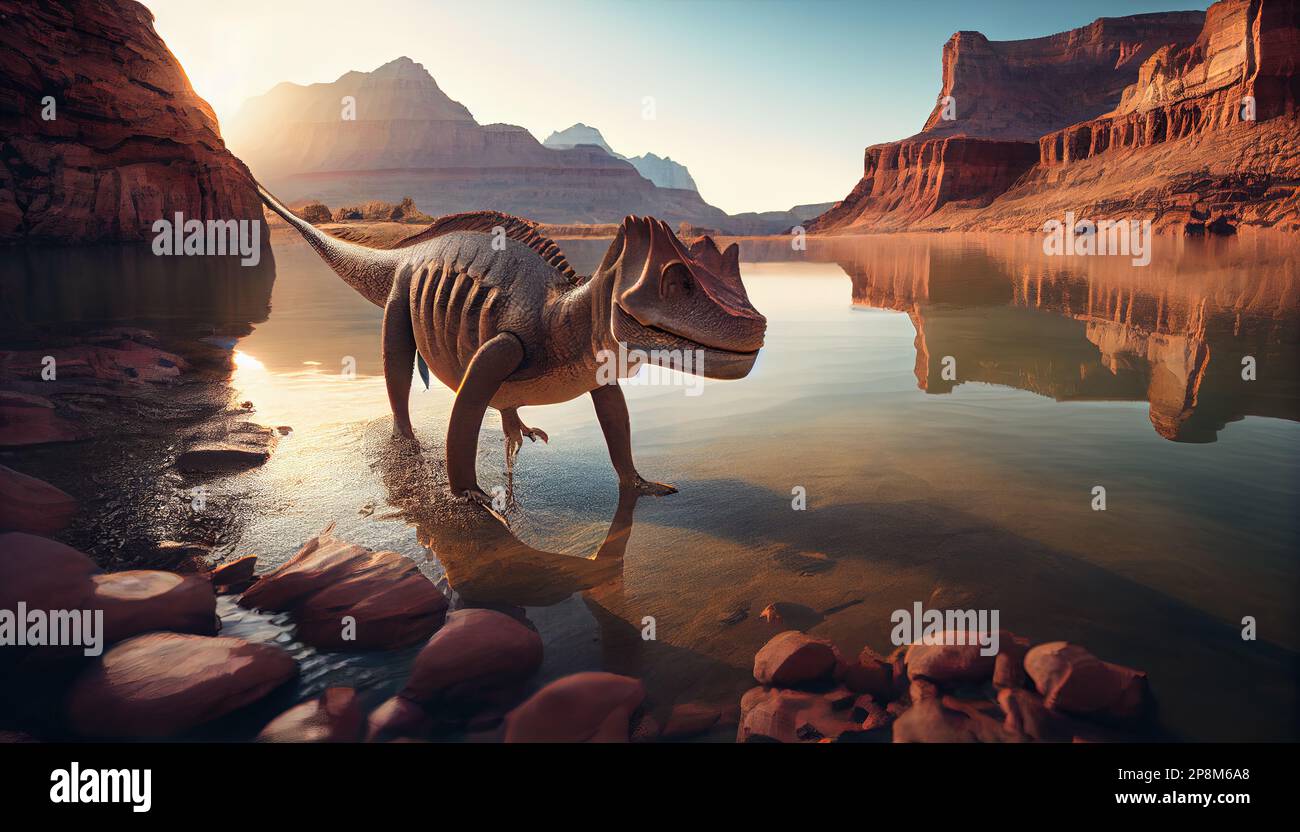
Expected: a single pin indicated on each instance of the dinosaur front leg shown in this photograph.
(399, 354)
(490, 366)
(611, 410)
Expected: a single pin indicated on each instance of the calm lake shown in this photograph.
(947, 403)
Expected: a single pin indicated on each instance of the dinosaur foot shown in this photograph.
(406, 437)
(476, 496)
(643, 486)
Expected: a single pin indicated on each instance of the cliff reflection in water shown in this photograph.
(1174, 333)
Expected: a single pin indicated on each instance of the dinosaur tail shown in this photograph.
(368, 270)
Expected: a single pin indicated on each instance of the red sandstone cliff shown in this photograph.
(1148, 80)
(130, 141)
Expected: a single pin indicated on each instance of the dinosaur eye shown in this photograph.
(675, 280)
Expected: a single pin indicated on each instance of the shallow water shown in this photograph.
(970, 491)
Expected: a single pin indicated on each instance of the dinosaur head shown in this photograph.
(668, 297)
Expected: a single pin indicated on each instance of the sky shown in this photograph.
(770, 103)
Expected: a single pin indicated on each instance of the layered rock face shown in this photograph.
(393, 133)
(1144, 117)
(909, 180)
(1022, 89)
(101, 133)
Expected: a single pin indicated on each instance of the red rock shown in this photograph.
(31, 420)
(31, 505)
(389, 602)
(139, 601)
(334, 716)
(793, 658)
(477, 654)
(1074, 681)
(1026, 714)
(871, 714)
(771, 615)
(1009, 669)
(950, 663)
(398, 718)
(43, 573)
(922, 689)
(235, 572)
(690, 720)
(791, 716)
(584, 707)
(222, 457)
(871, 674)
(131, 141)
(164, 684)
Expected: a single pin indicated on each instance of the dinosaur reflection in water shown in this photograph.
(487, 565)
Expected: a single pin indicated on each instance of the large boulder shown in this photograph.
(164, 684)
(479, 657)
(142, 600)
(334, 716)
(949, 662)
(1074, 681)
(345, 596)
(793, 658)
(584, 707)
(31, 505)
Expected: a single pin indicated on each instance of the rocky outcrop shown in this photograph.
(905, 182)
(100, 131)
(1021, 89)
(1185, 119)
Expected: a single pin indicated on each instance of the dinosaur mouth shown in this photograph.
(718, 362)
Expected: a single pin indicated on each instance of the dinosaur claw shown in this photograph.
(655, 489)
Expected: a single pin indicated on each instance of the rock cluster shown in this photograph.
(345, 596)
(943, 692)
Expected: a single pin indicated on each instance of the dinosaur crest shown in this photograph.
(486, 222)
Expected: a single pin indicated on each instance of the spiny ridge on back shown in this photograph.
(515, 228)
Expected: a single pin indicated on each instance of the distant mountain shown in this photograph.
(661, 170)
(393, 133)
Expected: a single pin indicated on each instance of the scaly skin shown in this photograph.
(496, 314)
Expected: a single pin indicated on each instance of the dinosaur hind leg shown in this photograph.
(611, 411)
(399, 356)
(491, 365)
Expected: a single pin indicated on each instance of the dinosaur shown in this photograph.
(495, 311)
